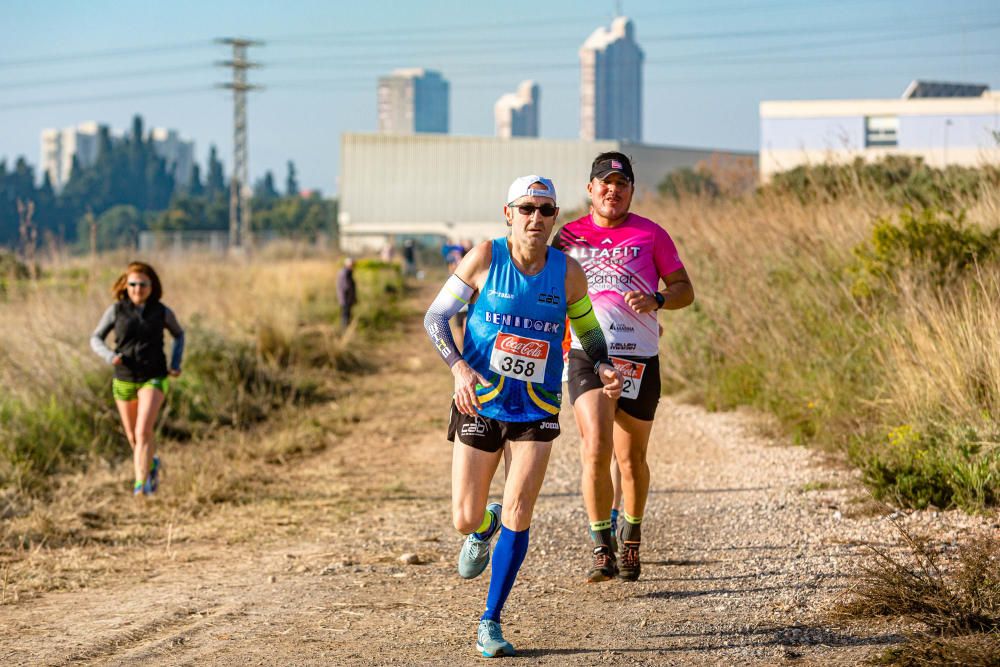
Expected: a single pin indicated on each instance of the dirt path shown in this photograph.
(746, 544)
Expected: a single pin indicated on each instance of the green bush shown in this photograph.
(686, 182)
(899, 179)
(937, 465)
(937, 245)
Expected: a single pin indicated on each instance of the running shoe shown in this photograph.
(605, 567)
(475, 553)
(630, 566)
(153, 481)
(490, 641)
(138, 488)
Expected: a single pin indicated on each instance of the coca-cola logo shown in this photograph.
(523, 347)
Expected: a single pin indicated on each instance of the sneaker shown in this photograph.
(605, 567)
(490, 641)
(153, 481)
(475, 553)
(138, 489)
(630, 567)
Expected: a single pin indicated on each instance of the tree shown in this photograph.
(216, 183)
(195, 188)
(291, 183)
(118, 227)
(264, 189)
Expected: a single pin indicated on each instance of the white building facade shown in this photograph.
(945, 124)
(388, 189)
(59, 147)
(611, 84)
(516, 114)
(413, 101)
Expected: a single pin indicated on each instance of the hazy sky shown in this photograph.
(708, 64)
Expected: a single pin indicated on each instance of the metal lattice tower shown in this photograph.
(239, 186)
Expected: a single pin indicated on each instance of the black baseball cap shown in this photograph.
(605, 165)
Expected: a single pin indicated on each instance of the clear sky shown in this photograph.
(708, 64)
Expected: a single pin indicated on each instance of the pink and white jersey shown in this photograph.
(635, 255)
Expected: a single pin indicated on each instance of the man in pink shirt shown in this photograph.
(625, 258)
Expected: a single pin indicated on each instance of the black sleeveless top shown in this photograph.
(139, 340)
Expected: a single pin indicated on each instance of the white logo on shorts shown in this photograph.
(549, 425)
(477, 427)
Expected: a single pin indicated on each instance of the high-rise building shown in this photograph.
(59, 147)
(411, 101)
(178, 154)
(516, 114)
(611, 84)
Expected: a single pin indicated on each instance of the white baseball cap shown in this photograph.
(521, 187)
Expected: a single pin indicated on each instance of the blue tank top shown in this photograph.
(513, 337)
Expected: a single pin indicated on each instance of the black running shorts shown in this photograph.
(489, 435)
(642, 382)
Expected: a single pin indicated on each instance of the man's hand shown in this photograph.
(640, 302)
(611, 379)
(117, 361)
(466, 380)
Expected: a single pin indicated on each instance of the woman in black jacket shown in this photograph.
(140, 383)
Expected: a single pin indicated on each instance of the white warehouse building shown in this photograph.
(944, 123)
(454, 187)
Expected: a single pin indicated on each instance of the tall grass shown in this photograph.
(260, 335)
(903, 376)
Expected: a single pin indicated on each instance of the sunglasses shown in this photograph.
(142, 283)
(547, 210)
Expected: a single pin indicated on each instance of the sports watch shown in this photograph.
(605, 360)
(660, 300)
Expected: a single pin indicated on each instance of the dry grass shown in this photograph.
(952, 595)
(777, 325)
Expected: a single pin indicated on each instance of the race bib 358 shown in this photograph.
(519, 357)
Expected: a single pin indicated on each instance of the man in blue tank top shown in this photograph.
(508, 383)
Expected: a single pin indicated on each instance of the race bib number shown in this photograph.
(519, 358)
(631, 376)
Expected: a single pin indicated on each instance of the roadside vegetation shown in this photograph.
(860, 305)
(949, 596)
(261, 336)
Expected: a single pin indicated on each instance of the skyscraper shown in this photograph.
(516, 114)
(611, 84)
(412, 100)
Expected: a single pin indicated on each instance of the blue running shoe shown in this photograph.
(475, 553)
(153, 481)
(490, 641)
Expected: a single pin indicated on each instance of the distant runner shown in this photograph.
(625, 257)
(138, 318)
(508, 383)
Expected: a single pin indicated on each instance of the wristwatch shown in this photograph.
(605, 360)
(660, 300)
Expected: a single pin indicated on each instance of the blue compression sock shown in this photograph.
(508, 555)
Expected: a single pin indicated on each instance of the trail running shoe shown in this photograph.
(138, 489)
(475, 553)
(604, 567)
(153, 481)
(630, 566)
(490, 641)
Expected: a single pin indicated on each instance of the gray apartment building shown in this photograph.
(413, 101)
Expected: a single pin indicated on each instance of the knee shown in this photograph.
(594, 453)
(632, 466)
(465, 519)
(517, 514)
(143, 438)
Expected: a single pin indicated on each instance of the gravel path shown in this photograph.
(747, 544)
